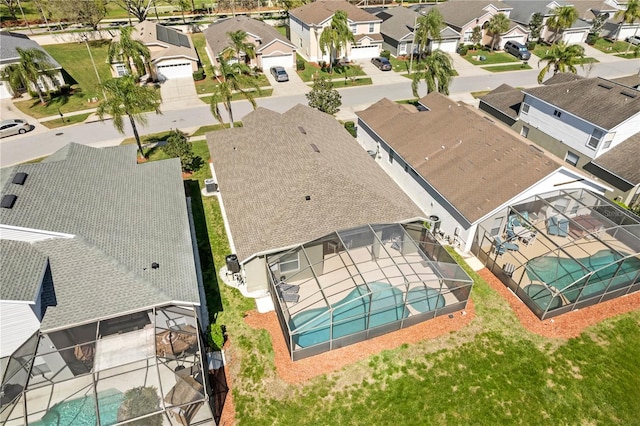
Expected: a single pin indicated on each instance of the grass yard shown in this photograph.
(72, 119)
(492, 57)
(310, 70)
(282, 30)
(200, 43)
(399, 65)
(161, 136)
(503, 68)
(208, 84)
(339, 84)
(607, 46)
(239, 97)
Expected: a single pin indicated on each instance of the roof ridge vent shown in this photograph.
(19, 178)
(8, 201)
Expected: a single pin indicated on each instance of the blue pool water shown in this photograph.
(82, 411)
(349, 314)
(425, 299)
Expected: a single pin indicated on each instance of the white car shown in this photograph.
(13, 127)
(635, 40)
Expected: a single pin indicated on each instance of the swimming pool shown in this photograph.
(82, 411)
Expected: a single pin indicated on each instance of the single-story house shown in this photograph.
(307, 22)
(9, 42)
(458, 165)
(94, 302)
(272, 48)
(315, 225)
(173, 54)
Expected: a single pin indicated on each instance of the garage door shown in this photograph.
(446, 46)
(573, 38)
(364, 52)
(518, 39)
(5, 93)
(277, 61)
(174, 71)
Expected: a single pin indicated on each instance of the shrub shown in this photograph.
(216, 336)
(591, 39)
(531, 45)
(385, 54)
(300, 65)
(351, 128)
(178, 146)
(462, 50)
(198, 75)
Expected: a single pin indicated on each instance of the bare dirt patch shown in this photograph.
(305, 369)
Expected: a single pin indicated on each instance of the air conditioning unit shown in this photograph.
(210, 185)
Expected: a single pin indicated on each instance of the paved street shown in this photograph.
(42, 142)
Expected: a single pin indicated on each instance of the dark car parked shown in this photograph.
(518, 50)
(382, 63)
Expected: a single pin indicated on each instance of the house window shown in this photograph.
(571, 158)
(121, 70)
(353, 28)
(497, 225)
(391, 153)
(525, 131)
(467, 36)
(594, 140)
(402, 49)
(289, 262)
(608, 139)
(557, 113)
(525, 108)
(371, 27)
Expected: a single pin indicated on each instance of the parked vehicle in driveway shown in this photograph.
(279, 74)
(518, 50)
(383, 64)
(635, 40)
(13, 127)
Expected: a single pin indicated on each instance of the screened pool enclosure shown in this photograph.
(563, 250)
(361, 283)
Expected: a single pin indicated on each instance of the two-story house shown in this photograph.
(523, 11)
(307, 22)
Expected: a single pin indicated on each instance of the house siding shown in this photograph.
(18, 322)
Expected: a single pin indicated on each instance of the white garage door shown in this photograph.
(364, 52)
(277, 61)
(573, 38)
(446, 46)
(5, 93)
(174, 71)
(518, 39)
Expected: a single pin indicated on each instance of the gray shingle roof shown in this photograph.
(602, 102)
(505, 99)
(458, 13)
(562, 77)
(21, 271)
(481, 166)
(135, 214)
(10, 41)
(216, 33)
(320, 10)
(266, 168)
(623, 160)
(398, 22)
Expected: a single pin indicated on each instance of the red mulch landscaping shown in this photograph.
(566, 325)
(305, 369)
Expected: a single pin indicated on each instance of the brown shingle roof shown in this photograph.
(604, 103)
(320, 10)
(267, 168)
(147, 33)
(505, 99)
(623, 160)
(218, 38)
(562, 77)
(629, 80)
(475, 164)
(457, 13)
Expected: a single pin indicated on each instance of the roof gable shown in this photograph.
(9, 42)
(218, 38)
(318, 12)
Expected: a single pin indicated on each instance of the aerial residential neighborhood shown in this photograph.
(319, 212)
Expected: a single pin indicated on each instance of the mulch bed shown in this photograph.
(305, 369)
(568, 325)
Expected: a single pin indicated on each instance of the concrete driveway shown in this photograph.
(179, 93)
(378, 76)
(294, 86)
(9, 111)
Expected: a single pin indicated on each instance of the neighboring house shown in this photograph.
(307, 22)
(272, 48)
(101, 290)
(172, 52)
(458, 165)
(316, 226)
(9, 55)
(464, 15)
(397, 32)
(523, 10)
(578, 120)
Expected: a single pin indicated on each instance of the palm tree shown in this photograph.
(428, 28)
(563, 17)
(629, 16)
(336, 37)
(129, 51)
(232, 78)
(125, 97)
(239, 45)
(562, 57)
(497, 25)
(437, 70)
(31, 70)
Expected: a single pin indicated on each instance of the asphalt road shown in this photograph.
(21, 148)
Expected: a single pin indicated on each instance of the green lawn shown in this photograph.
(503, 68)
(161, 136)
(282, 30)
(238, 96)
(339, 84)
(607, 46)
(200, 43)
(399, 65)
(311, 69)
(67, 121)
(491, 57)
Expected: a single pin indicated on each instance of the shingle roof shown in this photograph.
(320, 10)
(475, 164)
(267, 168)
(149, 33)
(458, 13)
(133, 213)
(562, 77)
(21, 271)
(623, 160)
(505, 99)
(629, 81)
(601, 102)
(218, 39)
(10, 41)
(398, 22)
